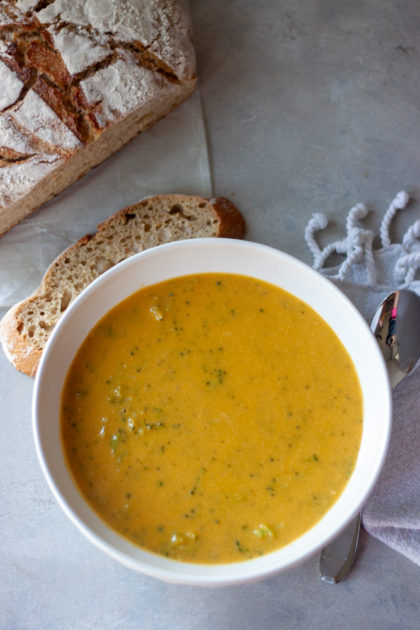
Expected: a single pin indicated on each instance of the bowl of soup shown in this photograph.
(205, 412)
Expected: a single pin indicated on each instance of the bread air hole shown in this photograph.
(102, 264)
(176, 209)
(65, 300)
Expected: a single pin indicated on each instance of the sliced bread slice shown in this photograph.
(26, 327)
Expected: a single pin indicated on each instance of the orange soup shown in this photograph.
(211, 418)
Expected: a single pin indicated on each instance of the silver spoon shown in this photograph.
(396, 326)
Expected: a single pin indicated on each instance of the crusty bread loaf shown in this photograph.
(25, 328)
(78, 80)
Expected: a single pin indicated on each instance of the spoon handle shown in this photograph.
(337, 558)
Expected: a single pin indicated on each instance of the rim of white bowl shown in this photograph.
(191, 573)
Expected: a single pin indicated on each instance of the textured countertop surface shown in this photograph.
(310, 106)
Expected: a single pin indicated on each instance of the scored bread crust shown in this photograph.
(79, 79)
(26, 327)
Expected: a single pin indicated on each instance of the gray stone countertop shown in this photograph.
(310, 105)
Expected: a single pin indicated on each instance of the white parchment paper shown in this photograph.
(171, 157)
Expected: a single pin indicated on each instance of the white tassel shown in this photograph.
(411, 236)
(356, 245)
(316, 223)
(406, 267)
(409, 262)
(399, 203)
(359, 211)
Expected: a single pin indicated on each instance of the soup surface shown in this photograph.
(211, 418)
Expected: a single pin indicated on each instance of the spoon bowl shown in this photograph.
(396, 326)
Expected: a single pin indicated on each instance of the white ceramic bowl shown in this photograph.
(195, 256)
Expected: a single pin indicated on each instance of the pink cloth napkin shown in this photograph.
(366, 276)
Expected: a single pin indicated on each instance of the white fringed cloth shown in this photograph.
(366, 276)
